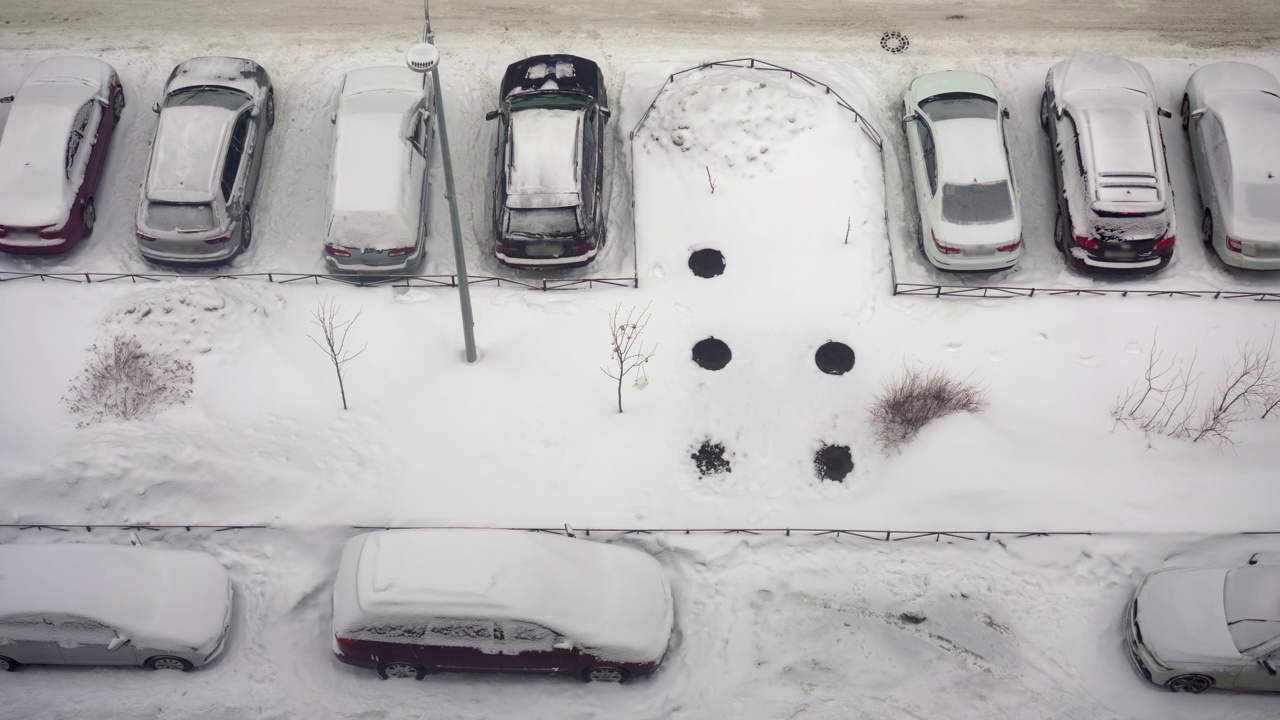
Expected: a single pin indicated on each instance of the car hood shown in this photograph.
(950, 81)
(1182, 616)
(1093, 72)
(238, 73)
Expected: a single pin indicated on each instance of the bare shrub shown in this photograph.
(334, 346)
(1163, 401)
(628, 347)
(1246, 390)
(916, 398)
(124, 380)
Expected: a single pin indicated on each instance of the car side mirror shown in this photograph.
(1163, 113)
(333, 118)
(6, 99)
(605, 113)
(1268, 666)
(492, 114)
(563, 644)
(1195, 114)
(909, 118)
(1005, 113)
(155, 108)
(118, 642)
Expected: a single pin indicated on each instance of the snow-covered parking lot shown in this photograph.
(774, 174)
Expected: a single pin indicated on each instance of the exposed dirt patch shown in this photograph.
(834, 358)
(712, 354)
(833, 462)
(710, 459)
(706, 263)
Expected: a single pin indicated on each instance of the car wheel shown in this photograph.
(246, 230)
(271, 109)
(605, 673)
(169, 662)
(1186, 112)
(1059, 231)
(401, 671)
(88, 216)
(117, 104)
(1044, 111)
(1190, 683)
(1206, 229)
(8, 664)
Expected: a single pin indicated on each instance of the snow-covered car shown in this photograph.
(409, 602)
(1231, 110)
(379, 180)
(81, 604)
(202, 177)
(1190, 629)
(52, 153)
(1115, 206)
(965, 192)
(547, 209)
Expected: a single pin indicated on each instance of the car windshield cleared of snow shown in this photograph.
(180, 217)
(225, 98)
(959, 106)
(977, 204)
(547, 100)
(543, 222)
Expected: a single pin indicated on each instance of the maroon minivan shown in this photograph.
(409, 602)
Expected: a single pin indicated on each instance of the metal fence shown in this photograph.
(1005, 291)
(282, 278)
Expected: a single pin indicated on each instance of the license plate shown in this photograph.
(1119, 255)
(22, 236)
(544, 250)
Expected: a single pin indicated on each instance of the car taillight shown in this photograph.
(578, 248)
(144, 236)
(505, 249)
(335, 250)
(1087, 243)
(1234, 244)
(346, 641)
(945, 249)
(1011, 246)
(226, 237)
(1167, 242)
(397, 252)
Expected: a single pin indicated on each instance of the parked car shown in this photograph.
(379, 180)
(1115, 206)
(80, 604)
(202, 177)
(1190, 629)
(965, 192)
(52, 153)
(409, 602)
(547, 209)
(1231, 111)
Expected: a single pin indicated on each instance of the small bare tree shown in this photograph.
(710, 182)
(917, 398)
(334, 346)
(1163, 401)
(1248, 387)
(125, 380)
(628, 348)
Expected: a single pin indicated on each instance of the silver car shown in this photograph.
(81, 604)
(201, 180)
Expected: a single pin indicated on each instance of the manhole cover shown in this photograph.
(710, 459)
(894, 41)
(706, 263)
(834, 358)
(711, 354)
(833, 462)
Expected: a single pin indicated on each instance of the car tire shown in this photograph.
(246, 230)
(1059, 232)
(1186, 112)
(117, 104)
(1044, 111)
(401, 671)
(1190, 683)
(271, 109)
(168, 662)
(88, 216)
(1206, 228)
(606, 673)
(8, 664)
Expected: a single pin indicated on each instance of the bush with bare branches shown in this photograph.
(916, 398)
(334, 346)
(628, 348)
(124, 380)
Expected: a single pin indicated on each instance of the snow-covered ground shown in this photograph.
(529, 435)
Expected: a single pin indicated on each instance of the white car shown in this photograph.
(379, 180)
(81, 604)
(1231, 111)
(965, 190)
(1190, 629)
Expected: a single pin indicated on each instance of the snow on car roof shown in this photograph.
(371, 201)
(1086, 72)
(160, 599)
(1252, 603)
(1115, 126)
(970, 150)
(389, 78)
(34, 189)
(187, 159)
(546, 152)
(598, 595)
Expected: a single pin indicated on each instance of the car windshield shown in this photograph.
(1262, 202)
(179, 217)
(543, 222)
(959, 106)
(547, 100)
(977, 204)
(1251, 599)
(217, 97)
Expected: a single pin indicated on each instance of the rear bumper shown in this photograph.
(562, 261)
(44, 246)
(197, 256)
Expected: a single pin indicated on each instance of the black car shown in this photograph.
(550, 163)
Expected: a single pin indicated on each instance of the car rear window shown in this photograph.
(180, 217)
(543, 222)
(957, 106)
(977, 204)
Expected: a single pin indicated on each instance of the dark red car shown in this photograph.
(52, 153)
(409, 602)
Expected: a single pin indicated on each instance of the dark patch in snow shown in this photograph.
(710, 459)
(912, 618)
(706, 263)
(833, 462)
(955, 17)
(834, 358)
(894, 42)
(712, 354)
